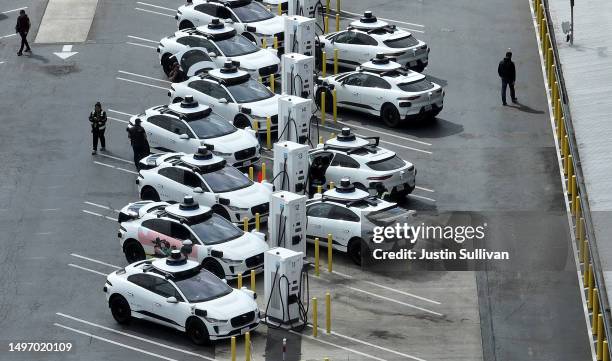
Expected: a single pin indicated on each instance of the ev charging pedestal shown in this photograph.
(282, 281)
(294, 115)
(287, 221)
(300, 35)
(297, 77)
(290, 167)
(302, 7)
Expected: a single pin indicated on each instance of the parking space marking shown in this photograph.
(141, 45)
(153, 12)
(156, 6)
(402, 292)
(134, 336)
(14, 10)
(394, 300)
(87, 269)
(118, 120)
(50, 209)
(114, 167)
(384, 133)
(385, 19)
(122, 113)
(142, 39)
(382, 141)
(7, 36)
(425, 189)
(144, 76)
(99, 215)
(141, 83)
(101, 206)
(114, 342)
(337, 346)
(117, 158)
(43, 233)
(94, 260)
(421, 197)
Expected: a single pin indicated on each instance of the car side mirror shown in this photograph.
(184, 136)
(171, 300)
(229, 21)
(212, 54)
(198, 190)
(215, 253)
(223, 101)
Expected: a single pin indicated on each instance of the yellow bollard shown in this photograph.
(570, 171)
(539, 14)
(317, 273)
(233, 348)
(264, 43)
(590, 283)
(253, 280)
(319, 189)
(280, 9)
(585, 260)
(329, 252)
(605, 351)
(263, 171)
(578, 209)
(580, 235)
(251, 173)
(315, 323)
(239, 280)
(328, 6)
(324, 63)
(276, 42)
(272, 84)
(332, 136)
(335, 61)
(331, 185)
(555, 96)
(269, 132)
(551, 74)
(247, 346)
(337, 6)
(543, 35)
(565, 148)
(337, 22)
(334, 107)
(326, 24)
(600, 336)
(245, 224)
(260, 80)
(323, 97)
(558, 112)
(257, 221)
(561, 130)
(320, 139)
(327, 312)
(595, 310)
(574, 195)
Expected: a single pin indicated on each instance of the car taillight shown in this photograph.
(414, 97)
(380, 178)
(396, 54)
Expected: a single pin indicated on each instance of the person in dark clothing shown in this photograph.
(507, 73)
(176, 74)
(140, 144)
(22, 28)
(97, 118)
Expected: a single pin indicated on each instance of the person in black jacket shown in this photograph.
(140, 144)
(507, 73)
(22, 28)
(97, 118)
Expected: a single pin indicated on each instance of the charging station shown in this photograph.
(283, 286)
(287, 221)
(297, 77)
(300, 35)
(303, 7)
(290, 167)
(294, 115)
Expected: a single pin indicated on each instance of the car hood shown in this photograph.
(264, 108)
(269, 26)
(257, 60)
(233, 142)
(243, 247)
(231, 305)
(248, 197)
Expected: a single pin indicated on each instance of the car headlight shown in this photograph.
(221, 154)
(214, 320)
(237, 209)
(231, 262)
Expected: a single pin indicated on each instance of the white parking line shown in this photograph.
(337, 346)
(122, 113)
(141, 45)
(154, 12)
(12, 11)
(156, 343)
(142, 39)
(156, 6)
(141, 83)
(402, 292)
(384, 133)
(394, 300)
(87, 269)
(118, 168)
(115, 342)
(101, 206)
(425, 189)
(94, 260)
(7, 36)
(43, 233)
(118, 120)
(391, 20)
(117, 158)
(382, 141)
(50, 209)
(144, 76)
(99, 215)
(421, 197)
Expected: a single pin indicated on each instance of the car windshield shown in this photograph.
(249, 92)
(405, 42)
(392, 163)
(252, 12)
(201, 286)
(416, 86)
(215, 230)
(387, 216)
(211, 127)
(226, 179)
(236, 46)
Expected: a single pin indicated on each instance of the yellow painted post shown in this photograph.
(263, 171)
(331, 185)
(326, 24)
(600, 336)
(595, 310)
(315, 323)
(317, 273)
(337, 22)
(605, 351)
(328, 6)
(334, 107)
(329, 252)
(323, 97)
(337, 6)
(551, 75)
(280, 9)
(585, 260)
(239, 280)
(590, 283)
(276, 42)
(558, 112)
(570, 169)
(332, 136)
(543, 35)
(319, 189)
(247, 346)
(245, 224)
(260, 80)
(257, 221)
(578, 209)
(320, 139)
(251, 173)
(233, 348)
(253, 280)
(555, 95)
(264, 43)
(324, 63)
(566, 148)
(574, 195)
(580, 236)
(561, 129)
(539, 14)
(269, 132)
(335, 61)
(327, 312)
(272, 84)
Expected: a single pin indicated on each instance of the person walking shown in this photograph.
(507, 73)
(22, 28)
(140, 144)
(97, 118)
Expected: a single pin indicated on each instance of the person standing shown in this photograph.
(140, 144)
(507, 73)
(97, 118)
(22, 28)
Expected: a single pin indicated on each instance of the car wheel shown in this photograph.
(133, 251)
(149, 194)
(185, 24)
(390, 115)
(120, 308)
(355, 246)
(241, 122)
(197, 332)
(177, 100)
(214, 267)
(166, 63)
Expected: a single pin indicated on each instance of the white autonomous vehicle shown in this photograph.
(177, 293)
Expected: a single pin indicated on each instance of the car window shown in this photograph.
(178, 127)
(226, 179)
(191, 179)
(158, 225)
(172, 173)
(198, 42)
(142, 280)
(212, 126)
(341, 160)
(201, 86)
(192, 57)
(178, 231)
(252, 12)
(345, 37)
(236, 46)
(376, 82)
(249, 91)
(391, 163)
(202, 286)
(224, 13)
(215, 230)
(319, 210)
(164, 288)
(343, 214)
(357, 79)
(208, 9)
(364, 39)
(161, 121)
(405, 42)
(217, 92)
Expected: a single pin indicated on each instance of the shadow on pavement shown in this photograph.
(525, 108)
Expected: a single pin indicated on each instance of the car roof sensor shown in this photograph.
(368, 22)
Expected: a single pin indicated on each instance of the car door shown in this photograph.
(319, 222)
(170, 182)
(349, 92)
(345, 225)
(136, 295)
(193, 61)
(365, 47)
(205, 91)
(155, 237)
(158, 133)
(375, 93)
(342, 166)
(225, 109)
(207, 197)
(171, 314)
(346, 50)
(182, 138)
